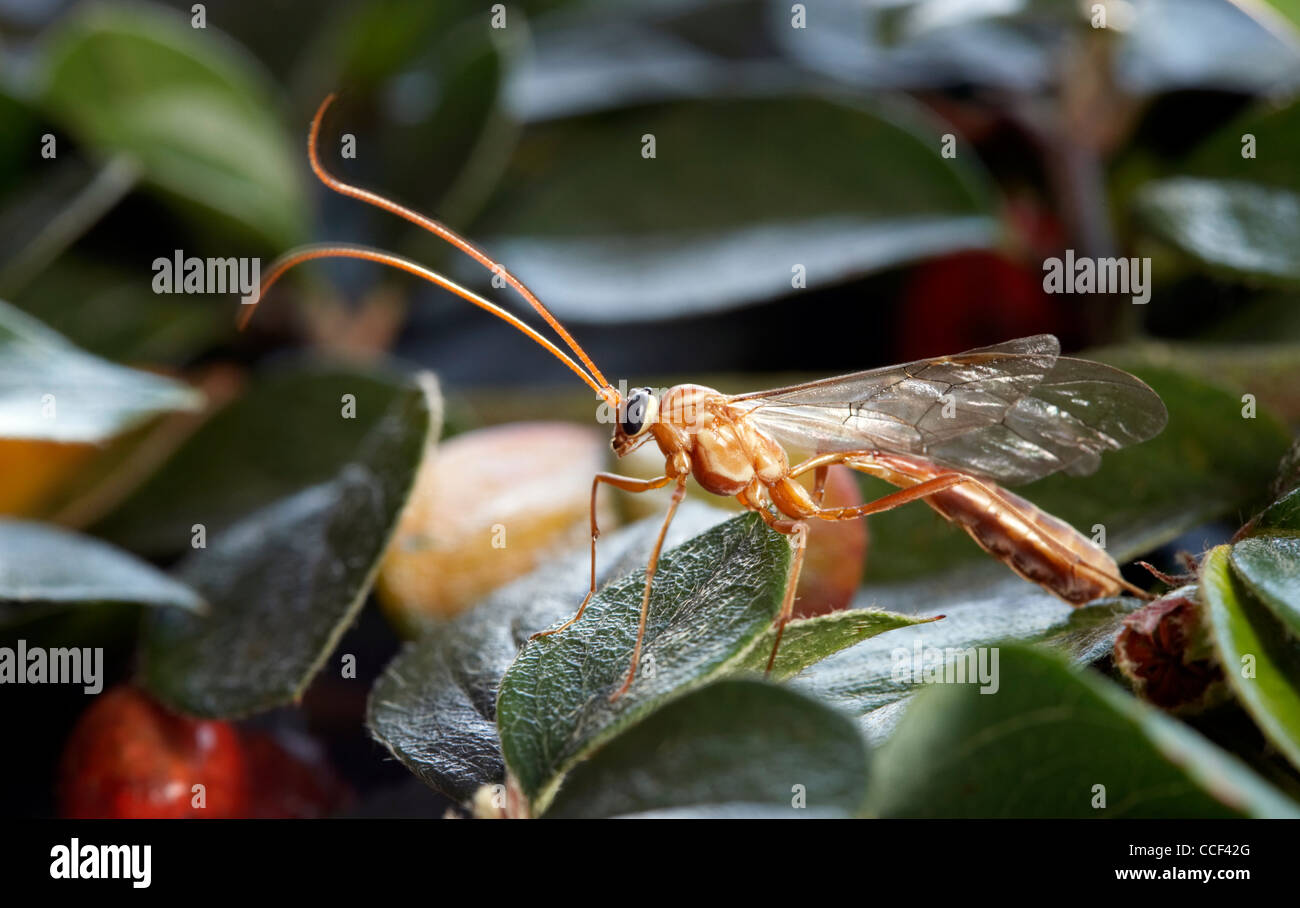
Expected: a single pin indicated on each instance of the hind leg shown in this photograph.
(799, 530)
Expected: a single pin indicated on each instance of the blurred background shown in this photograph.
(785, 134)
(834, 185)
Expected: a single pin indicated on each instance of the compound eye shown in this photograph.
(639, 412)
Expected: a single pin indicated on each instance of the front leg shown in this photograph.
(678, 494)
(627, 484)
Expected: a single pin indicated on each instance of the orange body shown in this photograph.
(713, 437)
(699, 433)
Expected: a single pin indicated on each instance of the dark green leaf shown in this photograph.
(112, 312)
(435, 705)
(190, 107)
(982, 608)
(1270, 566)
(53, 391)
(43, 566)
(285, 582)
(1040, 746)
(1260, 659)
(286, 433)
(808, 641)
(1281, 517)
(733, 748)
(715, 596)
(1276, 130)
(19, 140)
(735, 197)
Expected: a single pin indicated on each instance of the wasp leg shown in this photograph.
(678, 494)
(799, 530)
(627, 484)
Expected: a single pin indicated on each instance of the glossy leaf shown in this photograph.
(733, 200)
(435, 705)
(735, 748)
(1282, 517)
(286, 433)
(51, 390)
(981, 608)
(43, 566)
(1088, 634)
(286, 581)
(1260, 660)
(808, 641)
(1055, 742)
(192, 109)
(718, 593)
(1270, 567)
(1240, 229)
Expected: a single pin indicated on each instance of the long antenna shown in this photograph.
(309, 253)
(592, 376)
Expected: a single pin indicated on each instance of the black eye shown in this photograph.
(634, 413)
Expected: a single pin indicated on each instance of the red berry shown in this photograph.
(128, 757)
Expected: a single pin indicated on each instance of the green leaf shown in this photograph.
(734, 198)
(285, 434)
(1260, 659)
(1276, 129)
(434, 707)
(1288, 14)
(285, 582)
(44, 567)
(51, 390)
(1040, 745)
(1088, 635)
(1239, 229)
(981, 608)
(1208, 462)
(809, 640)
(190, 107)
(714, 597)
(733, 748)
(1270, 566)
(1280, 517)
(22, 134)
(112, 312)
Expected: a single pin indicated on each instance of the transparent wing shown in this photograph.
(1012, 413)
(909, 407)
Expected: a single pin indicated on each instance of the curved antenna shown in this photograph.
(444, 232)
(310, 253)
